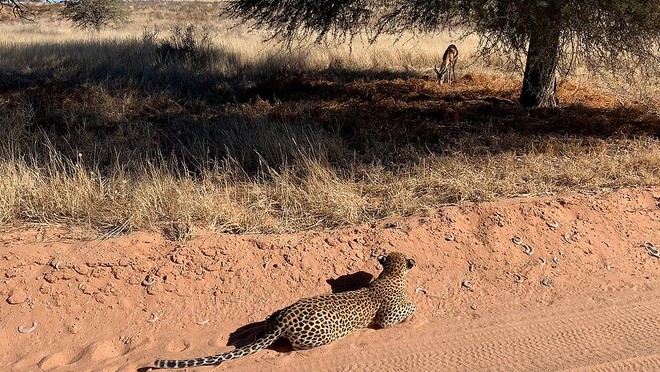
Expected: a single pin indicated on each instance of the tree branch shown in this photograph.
(18, 9)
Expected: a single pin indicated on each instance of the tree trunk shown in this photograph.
(539, 83)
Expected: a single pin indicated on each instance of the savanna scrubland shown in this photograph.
(179, 119)
(168, 184)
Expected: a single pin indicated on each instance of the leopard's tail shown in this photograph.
(259, 344)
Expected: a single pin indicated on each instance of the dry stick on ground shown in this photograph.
(485, 99)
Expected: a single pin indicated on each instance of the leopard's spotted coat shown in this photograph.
(319, 320)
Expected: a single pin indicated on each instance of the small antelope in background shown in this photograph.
(448, 63)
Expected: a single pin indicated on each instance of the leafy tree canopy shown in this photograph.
(606, 33)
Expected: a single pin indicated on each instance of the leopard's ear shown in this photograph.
(410, 263)
(382, 259)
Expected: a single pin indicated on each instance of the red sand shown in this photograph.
(92, 308)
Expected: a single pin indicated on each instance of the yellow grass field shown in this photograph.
(177, 121)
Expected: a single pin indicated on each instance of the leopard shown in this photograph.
(316, 321)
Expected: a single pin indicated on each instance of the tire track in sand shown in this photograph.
(624, 336)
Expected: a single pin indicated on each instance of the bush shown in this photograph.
(96, 14)
(189, 47)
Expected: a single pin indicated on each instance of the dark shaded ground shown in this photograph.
(161, 99)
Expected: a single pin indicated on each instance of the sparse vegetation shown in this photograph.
(176, 128)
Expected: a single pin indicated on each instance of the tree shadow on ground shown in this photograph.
(184, 70)
(139, 100)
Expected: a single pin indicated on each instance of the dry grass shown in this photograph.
(131, 129)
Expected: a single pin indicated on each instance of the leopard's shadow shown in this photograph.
(350, 282)
(250, 332)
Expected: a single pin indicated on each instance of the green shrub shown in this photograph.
(96, 14)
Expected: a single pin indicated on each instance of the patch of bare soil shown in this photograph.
(544, 283)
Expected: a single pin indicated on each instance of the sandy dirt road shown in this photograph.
(121, 303)
(617, 332)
